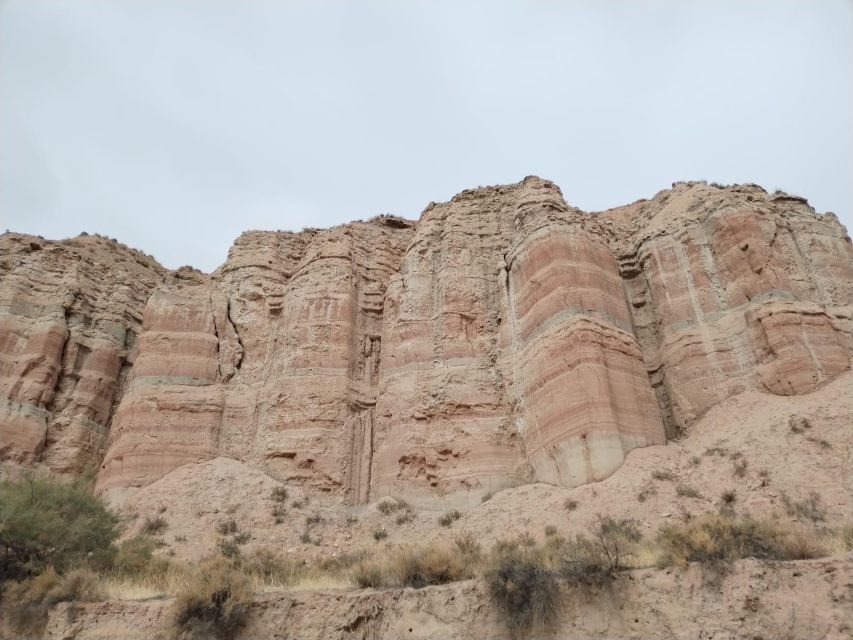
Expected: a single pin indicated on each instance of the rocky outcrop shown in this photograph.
(505, 337)
(70, 314)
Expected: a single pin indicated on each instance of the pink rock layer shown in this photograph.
(505, 337)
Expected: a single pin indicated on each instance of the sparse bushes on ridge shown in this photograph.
(525, 581)
(416, 567)
(720, 539)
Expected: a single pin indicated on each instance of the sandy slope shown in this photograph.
(754, 426)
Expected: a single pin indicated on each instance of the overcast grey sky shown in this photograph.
(174, 125)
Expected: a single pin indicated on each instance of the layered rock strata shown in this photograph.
(70, 315)
(505, 337)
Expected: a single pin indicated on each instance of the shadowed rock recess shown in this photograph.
(504, 337)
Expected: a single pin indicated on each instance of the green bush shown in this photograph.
(46, 522)
(134, 556)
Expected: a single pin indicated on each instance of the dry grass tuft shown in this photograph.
(721, 539)
(449, 518)
(154, 526)
(214, 603)
(810, 508)
(26, 603)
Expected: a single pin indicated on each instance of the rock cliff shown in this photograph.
(504, 337)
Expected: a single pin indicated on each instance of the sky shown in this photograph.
(174, 125)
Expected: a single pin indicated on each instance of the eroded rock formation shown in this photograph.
(504, 337)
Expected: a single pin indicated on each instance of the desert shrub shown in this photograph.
(339, 563)
(695, 461)
(720, 539)
(226, 527)
(486, 496)
(525, 590)
(594, 560)
(278, 512)
(662, 474)
(739, 466)
(44, 521)
(380, 534)
(425, 566)
(26, 603)
(550, 530)
(570, 505)
(369, 574)
(526, 540)
(727, 502)
(798, 424)
(824, 444)
(415, 567)
(134, 556)
(390, 505)
(645, 492)
(468, 546)
(278, 494)
(153, 526)
(846, 534)
(810, 508)
(406, 515)
(449, 518)
(242, 538)
(314, 518)
(228, 548)
(214, 603)
(272, 567)
(686, 491)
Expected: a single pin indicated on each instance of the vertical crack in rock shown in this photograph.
(504, 335)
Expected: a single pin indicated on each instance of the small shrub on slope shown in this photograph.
(214, 603)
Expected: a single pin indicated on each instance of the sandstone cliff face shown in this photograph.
(505, 337)
(70, 314)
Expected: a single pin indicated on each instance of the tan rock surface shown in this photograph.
(70, 313)
(504, 338)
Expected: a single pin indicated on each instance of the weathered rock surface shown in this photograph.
(70, 314)
(505, 337)
(807, 599)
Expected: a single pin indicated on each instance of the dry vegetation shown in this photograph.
(55, 553)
